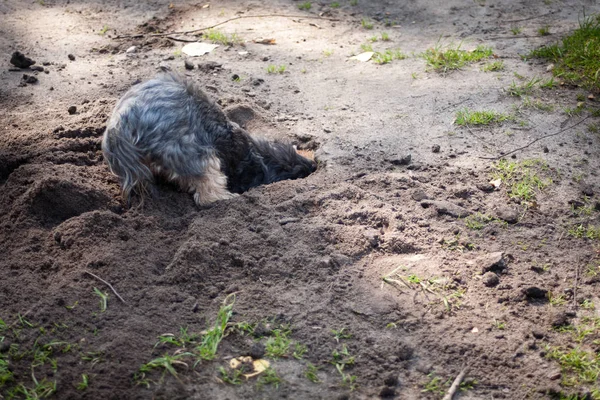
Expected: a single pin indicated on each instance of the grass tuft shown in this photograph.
(522, 178)
(577, 57)
(454, 58)
(219, 37)
(486, 117)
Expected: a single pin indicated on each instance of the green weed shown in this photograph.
(578, 365)
(544, 30)
(211, 339)
(522, 178)
(454, 58)
(366, 47)
(216, 36)
(478, 220)
(84, 382)
(269, 377)
(311, 373)
(577, 57)
(366, 24)
(335, 4)
(385, 37)
(103, 299)
(469, 117)
(341, 334)
(166, 363)
(537, 104)
(272, 69)
(388, 56)
(104, 29)
(435, 385)
(235, 378)
(493, 66)
(305, 6)
(516, 30)
(523, 89)
(588, 232)
(278, 345)
(299, 351)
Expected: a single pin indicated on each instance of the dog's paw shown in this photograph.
(204, 201)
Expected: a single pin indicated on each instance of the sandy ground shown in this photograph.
(308, 254)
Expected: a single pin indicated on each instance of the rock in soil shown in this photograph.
(507, 214)
(387, 392)
(404, 160)
(538, 334)
(486, 187)
(445, 207)
(419, 195)
(72, 110)
(534, 292)
(20, 60)
(257, 351)
(490, 279)
(494, 262)
(71, 57)
(29, 78)
(560, 318)
(391, 380)
(435, 148)
(37, 68)
(188, 65)
(587, 190)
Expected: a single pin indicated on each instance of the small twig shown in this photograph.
(528, 18)
(576, 284)
(456, 384)
(222, 23)
(536, 140)
(106, 283)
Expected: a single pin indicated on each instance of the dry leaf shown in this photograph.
(364, 57)
(198, 48)
(496, 183)
(264, 41)
(258, 366)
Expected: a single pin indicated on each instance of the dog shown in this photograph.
(169, 127)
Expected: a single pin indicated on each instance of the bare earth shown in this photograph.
(310, 253)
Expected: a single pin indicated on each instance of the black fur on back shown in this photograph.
(250, 161)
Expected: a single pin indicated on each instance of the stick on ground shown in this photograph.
(456, 384)
(108, 284)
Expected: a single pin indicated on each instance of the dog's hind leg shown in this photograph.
(212, 186)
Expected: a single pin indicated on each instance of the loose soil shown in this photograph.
(310, 253)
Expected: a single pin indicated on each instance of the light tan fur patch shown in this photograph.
(212, 186)
(307, 154)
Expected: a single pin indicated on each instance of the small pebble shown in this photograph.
(37, 68)
(71, 57)
(72, 110)
(257, 351)
(29, 78)
(19, 60)
(490, 279)
(435, 148)
(188, 65)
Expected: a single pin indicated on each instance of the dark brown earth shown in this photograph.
(310, 254)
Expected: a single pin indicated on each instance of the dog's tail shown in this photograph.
(126, 161)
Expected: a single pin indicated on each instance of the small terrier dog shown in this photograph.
(169, 127)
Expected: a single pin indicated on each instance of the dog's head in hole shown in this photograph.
(169, 127)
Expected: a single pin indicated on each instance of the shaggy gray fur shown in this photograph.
(168, 126)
